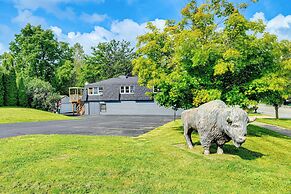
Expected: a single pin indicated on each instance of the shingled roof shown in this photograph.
(117, 80)
(111, 90)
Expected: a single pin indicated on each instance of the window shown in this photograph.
(95, 91)
(80, 91)
(90, 91)
(100, 89)
(102, 107)
(127, 90)
(122, 90)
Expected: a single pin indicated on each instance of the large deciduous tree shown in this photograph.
(37, 53)
(108, 59)
(275, 87)
(65, 77)
(79, 62)
(214, 52)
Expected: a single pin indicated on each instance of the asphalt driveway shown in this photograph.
(89, 125)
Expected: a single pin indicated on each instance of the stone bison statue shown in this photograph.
(215, 123)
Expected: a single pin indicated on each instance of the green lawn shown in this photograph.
(285, 123)
(157, 162)
(14, 115)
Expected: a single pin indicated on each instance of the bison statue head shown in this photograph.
(234, 122)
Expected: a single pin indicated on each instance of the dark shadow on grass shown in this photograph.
(180, 129)
(242, 152)
(228, 149)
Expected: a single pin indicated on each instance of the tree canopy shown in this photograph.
(108, 59)
(214, 52)
(37, 53)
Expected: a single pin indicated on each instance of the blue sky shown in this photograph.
(92, 21)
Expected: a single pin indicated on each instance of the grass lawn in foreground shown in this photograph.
(17, 114)
(157, 162)
(285, 123)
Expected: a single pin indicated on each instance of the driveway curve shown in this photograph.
(88, 125)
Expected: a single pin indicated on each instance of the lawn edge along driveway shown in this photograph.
(88, 125)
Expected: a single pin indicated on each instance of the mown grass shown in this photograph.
(157, 162)
(17, 114)
(285, 123)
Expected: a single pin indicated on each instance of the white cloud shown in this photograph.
(2, 48)
(120, 30)
(5, 30)
(57, 31)
(259, 16)
(51, 6)
(26, 16)
(46, 4)
(279, 22)
(279, 25)
(94, 18)
(6, 35)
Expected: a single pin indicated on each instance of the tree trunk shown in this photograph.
(277, 111)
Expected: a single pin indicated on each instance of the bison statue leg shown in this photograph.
(187, 134)
(219, 149)
(206, 145)
(206, 151)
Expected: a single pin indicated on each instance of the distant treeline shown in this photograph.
(38, 68)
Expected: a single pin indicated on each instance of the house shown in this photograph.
(121, 96)
(65, 105)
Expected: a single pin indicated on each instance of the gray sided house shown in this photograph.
(121, 96)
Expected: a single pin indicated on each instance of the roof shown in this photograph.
(111, 90)
(118, 80)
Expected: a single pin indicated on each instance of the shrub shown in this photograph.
(41, 95)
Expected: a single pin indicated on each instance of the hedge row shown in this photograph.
(11, 93)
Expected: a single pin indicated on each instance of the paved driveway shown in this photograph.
(89, 125)
(284, 111)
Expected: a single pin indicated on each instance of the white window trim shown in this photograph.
(98, 91)
(124, 89)
(89, 90)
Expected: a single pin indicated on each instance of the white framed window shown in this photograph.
(127, 90)
(100, 90)
(90, 91)
(95, 91)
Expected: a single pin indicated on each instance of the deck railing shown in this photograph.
(76, 94)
